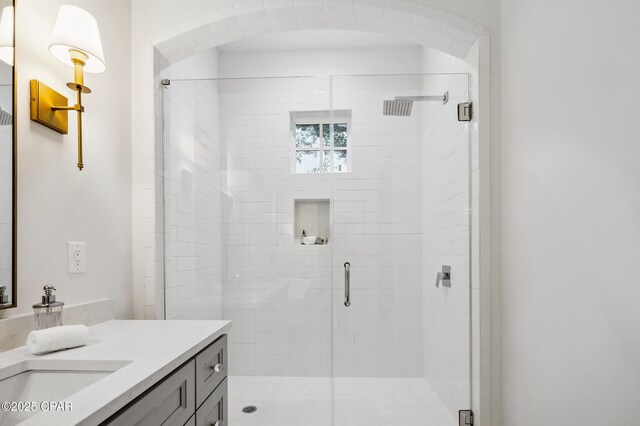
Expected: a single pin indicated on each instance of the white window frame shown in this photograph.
(320, 118)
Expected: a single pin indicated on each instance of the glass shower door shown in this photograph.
(400, 215)
(247, 226)
(277, 191)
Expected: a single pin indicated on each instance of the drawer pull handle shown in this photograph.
(217, 423)
(217, 368)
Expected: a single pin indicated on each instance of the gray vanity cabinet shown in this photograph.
(194, 394)
(214, 409)
(211, 369)
(169, 403)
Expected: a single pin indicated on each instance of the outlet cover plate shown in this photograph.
(77, 257)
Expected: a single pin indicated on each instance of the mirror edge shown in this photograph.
(14, 230)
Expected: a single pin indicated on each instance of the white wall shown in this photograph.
(399, 60)
(56, 202)
(571, 209)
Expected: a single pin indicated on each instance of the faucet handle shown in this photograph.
(444, 277)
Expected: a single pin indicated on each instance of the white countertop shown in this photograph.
(154, 349)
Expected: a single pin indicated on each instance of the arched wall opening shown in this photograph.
(420, 24)
(409, 21)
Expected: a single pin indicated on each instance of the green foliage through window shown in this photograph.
(314, 151)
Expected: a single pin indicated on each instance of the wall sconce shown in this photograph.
(6, 35)
(75, 42)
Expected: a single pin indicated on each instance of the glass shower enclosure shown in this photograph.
(319, 226)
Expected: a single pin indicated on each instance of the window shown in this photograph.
(317, 145)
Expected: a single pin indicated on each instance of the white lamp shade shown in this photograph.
(77, 29)
(6, 35)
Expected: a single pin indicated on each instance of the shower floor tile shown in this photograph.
(360, 401)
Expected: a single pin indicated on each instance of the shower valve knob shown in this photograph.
(217, 367)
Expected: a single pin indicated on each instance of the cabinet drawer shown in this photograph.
(211, 368)
(170, 403)
(214, 408)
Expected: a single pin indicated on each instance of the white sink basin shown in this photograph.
(48, 380)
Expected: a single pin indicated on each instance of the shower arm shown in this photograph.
(444, 98)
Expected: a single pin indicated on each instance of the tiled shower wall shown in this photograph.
(192, 196)
(277, 292)
(377, 227)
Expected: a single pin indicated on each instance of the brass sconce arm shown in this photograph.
(76, 107)
(80, 109)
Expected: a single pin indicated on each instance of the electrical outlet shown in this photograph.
(77, 257)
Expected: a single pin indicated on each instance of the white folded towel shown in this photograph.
(310, 240)
(57, 338)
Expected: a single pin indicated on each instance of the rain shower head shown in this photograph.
(6, 119)
(402, 105)
(397, 108)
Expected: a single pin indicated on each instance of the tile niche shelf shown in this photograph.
(312, 217)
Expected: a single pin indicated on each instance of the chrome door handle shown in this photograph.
(347, 284)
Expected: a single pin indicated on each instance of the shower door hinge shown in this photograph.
(465, 417)
(465, 111)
